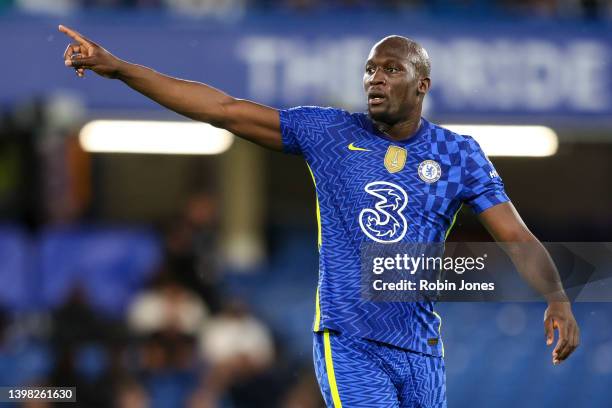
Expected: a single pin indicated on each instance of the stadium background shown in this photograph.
(187, 280)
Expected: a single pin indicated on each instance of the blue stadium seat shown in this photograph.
(15, 268)
(110, 264)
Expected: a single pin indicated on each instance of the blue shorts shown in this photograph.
(355, 372)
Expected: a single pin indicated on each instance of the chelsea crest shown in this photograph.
(430, 171)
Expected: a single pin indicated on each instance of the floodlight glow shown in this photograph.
(159, 137)
(528, 141)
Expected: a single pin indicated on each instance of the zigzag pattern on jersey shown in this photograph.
(380, 321)
(321, 152)
(371, 374)
(342, 237)
(322, 135)
(324, 143)
(340, 291)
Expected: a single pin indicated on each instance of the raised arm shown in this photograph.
(535, 266)
(258, 123)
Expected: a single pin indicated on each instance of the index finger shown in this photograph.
(74, 35)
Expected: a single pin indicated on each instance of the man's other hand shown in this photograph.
(558, 316)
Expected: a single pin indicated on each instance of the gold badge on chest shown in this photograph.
(395, 159)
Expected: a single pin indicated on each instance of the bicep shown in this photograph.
(257, 123)
(505, 224)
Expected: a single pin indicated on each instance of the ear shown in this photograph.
(424, 85)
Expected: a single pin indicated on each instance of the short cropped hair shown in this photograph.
(417, 55)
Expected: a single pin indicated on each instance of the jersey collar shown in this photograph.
(421, 131)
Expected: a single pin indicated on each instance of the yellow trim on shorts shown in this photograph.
(440, 331)
(329, 365)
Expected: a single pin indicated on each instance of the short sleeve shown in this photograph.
(482, 186)
(304, 126)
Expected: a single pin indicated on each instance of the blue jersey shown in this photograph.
(373, 189)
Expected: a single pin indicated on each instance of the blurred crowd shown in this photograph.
(174, 335)
(183, 340)
(588, 9)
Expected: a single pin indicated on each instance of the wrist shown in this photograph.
(557, 297)
(121, 70)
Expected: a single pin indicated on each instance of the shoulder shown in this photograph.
(464, 143)
(313, 120)
(325, 113)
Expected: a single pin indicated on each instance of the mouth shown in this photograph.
(376, 98)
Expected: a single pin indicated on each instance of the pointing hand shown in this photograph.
(84, 54)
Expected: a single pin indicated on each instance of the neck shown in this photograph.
(402, 130)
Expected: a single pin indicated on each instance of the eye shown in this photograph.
(369, 70)
(392, 70)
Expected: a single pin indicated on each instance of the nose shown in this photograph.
(377, 78)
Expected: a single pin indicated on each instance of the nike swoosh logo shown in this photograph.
(353, 147)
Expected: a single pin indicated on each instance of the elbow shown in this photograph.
(514, 241)
(222, 114)
(515, 233)
(519, 235)
(217, 114)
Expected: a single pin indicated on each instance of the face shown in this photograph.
(392, 85)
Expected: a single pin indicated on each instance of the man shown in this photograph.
(382, 177)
